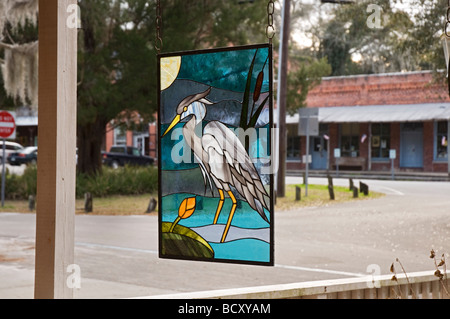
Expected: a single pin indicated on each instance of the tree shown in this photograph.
(365, 38)
(423, 40)
(117, 59)
(19, 51)
(305, 68)
(306, 76)
(116, 69)
(201, 24)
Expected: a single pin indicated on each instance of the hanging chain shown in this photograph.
(448, 19)
(158, 22)
(270, 30)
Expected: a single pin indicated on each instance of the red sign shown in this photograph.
(7, 124)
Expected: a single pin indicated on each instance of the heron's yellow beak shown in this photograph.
(175, 121)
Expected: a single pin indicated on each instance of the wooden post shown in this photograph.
(330, 180)
(151, 205)
(57, 150)
(31, 203)
(331, 191)
(364, 188)
(330, 187)
(298, 193)
(88, 203)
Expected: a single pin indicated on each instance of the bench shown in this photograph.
(352, 163)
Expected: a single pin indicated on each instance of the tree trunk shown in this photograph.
(90, 140)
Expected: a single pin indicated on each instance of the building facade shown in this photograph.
(372, 120)
(145, 140)
(368, 118)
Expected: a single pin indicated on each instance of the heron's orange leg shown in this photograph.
(219, 208)
(230, 218)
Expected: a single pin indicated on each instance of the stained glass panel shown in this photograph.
(216, 181)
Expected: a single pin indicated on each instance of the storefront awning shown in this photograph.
(382, 113)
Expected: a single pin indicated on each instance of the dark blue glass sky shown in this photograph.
(226, 70)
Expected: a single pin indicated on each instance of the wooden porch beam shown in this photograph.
(57, 150)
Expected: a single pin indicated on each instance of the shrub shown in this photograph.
(128, 180)
(29, 181)
(20, 187)
(12, 187)
(122, 181)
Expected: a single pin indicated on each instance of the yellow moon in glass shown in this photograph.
(170, 67)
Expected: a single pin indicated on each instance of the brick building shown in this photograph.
(145, 138)
(369, 117)
(365, 117)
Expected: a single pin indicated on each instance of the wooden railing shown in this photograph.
(418, 285)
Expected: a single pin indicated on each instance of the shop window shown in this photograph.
(381, 141)
(349, 140)
(120, 136)
(441, 141)
(293, 143)
(412, 126)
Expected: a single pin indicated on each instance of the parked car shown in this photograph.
(10, 147)
(27, 156)
(125, 155)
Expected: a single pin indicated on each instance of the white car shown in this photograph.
(11, 147)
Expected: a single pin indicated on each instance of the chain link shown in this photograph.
(270, 30)
(158, 24)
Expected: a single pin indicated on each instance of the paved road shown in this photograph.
(118, 255)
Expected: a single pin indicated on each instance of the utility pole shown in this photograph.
(282, 94)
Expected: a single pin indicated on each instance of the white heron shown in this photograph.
(221, 156)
